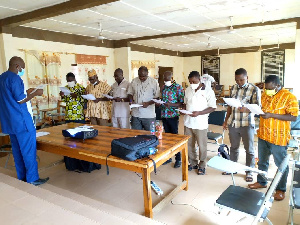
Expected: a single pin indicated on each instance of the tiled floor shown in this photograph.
(123, 189)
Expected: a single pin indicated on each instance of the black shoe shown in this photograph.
(192, 167)
(40, 181)
(201, 171)
(177, 164)
(168, 161)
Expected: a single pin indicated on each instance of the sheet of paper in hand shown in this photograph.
(89, 97)
(65, 90)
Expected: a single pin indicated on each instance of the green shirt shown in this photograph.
(74, 106)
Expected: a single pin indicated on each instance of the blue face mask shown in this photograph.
(22, 72)
(244, 85)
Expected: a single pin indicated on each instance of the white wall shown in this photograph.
(250, 61)
(13, 44)
(191, 64)
(164, 61)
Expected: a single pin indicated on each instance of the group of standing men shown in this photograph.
(279, 105)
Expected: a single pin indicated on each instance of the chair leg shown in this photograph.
(233, 181)
(7, 159)
(268, 221)
(291, 215)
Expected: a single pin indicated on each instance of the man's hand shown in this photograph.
(167, 104)
(38, 92)
(73, 95)
(61, 94)
(194, 114)
(117, 99)
(225, 125)
(267, 115)
(97, 100)
(30, 90)
(145, 104)
(243, 109)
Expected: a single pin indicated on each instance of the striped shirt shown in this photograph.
(272, 130)
(249, 94)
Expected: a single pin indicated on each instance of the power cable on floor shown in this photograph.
(200, 210)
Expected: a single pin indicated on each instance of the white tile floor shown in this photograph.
(123, 189)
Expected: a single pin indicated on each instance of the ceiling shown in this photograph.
(127, 19)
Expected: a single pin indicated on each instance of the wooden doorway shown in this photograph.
(161, 71)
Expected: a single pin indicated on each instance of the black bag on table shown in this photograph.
(222, 151)
(80, 165)
(132, 148)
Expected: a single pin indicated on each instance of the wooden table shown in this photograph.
(96, 150)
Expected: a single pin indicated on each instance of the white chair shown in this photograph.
(294, 191)
(248, 202)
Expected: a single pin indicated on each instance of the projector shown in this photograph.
(80, 133)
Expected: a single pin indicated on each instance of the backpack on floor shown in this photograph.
(223, 150)
(80, 165)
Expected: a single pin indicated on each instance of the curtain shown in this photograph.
(44, 68)
(135, 65)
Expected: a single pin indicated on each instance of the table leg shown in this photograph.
(147, 193)
(185, 164)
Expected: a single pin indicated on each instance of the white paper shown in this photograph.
(233, 102)
(89, 97)
(108, 96)
(158, 101)
(38, 87)
(42, 133)
(65, 90)
(184, 111)
(135, 106)
(254, 108)
(79, 129)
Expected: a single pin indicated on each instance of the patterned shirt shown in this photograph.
(171, 94)
(144, 92)
(249, 94)
(74, 106)
(102, 109)
(272, 130)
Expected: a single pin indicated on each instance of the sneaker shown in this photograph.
(177, 164)
(201, 171)
(192, 167)
(168, 161)
(40, 181)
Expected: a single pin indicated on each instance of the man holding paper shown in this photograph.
(280, 107)
(71, 94)
(173, 96)
(17, 121)
(98, 110)
(200, 101)
(240, 121)
(142, 90)
(120, 107)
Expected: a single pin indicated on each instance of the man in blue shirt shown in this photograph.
(17, 121)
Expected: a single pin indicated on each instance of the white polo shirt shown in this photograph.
(120, 109)
(198, 101)
(207, 80)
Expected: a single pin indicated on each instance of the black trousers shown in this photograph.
(171, 126)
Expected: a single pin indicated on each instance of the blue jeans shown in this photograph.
(265, 149)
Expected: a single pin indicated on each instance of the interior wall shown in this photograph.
(13, 44)
(191, 64)
(162, 60)
(250, 61)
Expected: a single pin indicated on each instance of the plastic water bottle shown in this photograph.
(152, 151)
(155, 188)
(152, 128)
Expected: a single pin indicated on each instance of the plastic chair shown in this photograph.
(294, 191)
(216, 118)
(6, 149)
(248, 202)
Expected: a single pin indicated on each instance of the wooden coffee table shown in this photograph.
(96, 150)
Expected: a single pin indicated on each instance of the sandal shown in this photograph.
(249, 177)
(225, 173)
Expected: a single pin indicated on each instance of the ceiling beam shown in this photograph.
(275, 22)
(51, 11)
(238, 50)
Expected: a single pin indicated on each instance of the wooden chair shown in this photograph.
(219, 93)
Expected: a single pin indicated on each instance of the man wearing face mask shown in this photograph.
(200, 101)
(240, 121)
(280, 107)
(74, 101)
(142, 90)
(173, 96)
(120, 108)
(99, 110)
(17, 121)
